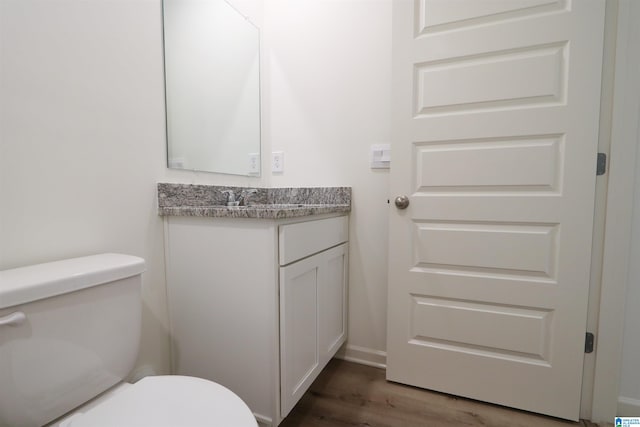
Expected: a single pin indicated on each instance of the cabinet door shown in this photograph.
(332, 302)
(312, 319)
(299, 345)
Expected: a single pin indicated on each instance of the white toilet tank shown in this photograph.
(69, 330)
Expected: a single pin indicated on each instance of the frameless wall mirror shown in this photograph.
(212, 78)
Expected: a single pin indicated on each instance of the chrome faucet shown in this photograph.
(236, 200)
(231, 198)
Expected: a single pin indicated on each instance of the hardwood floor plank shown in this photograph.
(348, 394)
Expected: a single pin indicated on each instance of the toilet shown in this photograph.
(69, 337)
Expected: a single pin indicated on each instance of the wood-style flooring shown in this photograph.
(349, 394)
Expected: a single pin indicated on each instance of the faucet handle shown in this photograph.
(244, 195)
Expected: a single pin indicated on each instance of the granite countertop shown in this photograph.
(265, 203)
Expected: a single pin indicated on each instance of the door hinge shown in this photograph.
(589, 341)
(601, 165)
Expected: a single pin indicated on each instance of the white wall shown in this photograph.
(83, 135)
(82, 141)
(328, 98)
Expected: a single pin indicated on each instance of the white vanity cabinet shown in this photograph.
(257, 305)
(312, 302)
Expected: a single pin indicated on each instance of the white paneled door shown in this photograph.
(495, 124)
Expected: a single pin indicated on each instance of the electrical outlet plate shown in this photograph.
(254, 164)
(277, 162)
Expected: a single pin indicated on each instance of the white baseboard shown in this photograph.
(363, 355)
(628, 407)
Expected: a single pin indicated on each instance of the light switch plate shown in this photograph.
(380, 156)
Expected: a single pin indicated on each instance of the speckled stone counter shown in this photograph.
(266, 203)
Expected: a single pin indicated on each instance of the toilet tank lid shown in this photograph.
(35, 282)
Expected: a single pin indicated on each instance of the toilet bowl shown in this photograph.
(69, 336)
(166, 401)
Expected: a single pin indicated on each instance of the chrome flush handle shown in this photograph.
(13, 319)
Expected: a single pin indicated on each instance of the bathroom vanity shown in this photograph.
(257, 294)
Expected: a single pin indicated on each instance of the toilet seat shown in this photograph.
(169, 401)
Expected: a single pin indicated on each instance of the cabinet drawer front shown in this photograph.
(307, 238)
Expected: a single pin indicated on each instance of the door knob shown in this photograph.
(402, 202)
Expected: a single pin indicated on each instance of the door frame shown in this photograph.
(619, 210)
